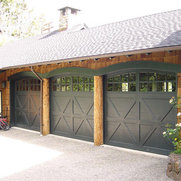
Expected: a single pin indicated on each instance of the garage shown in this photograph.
(26, 99)
(72, 107)
(137, 109)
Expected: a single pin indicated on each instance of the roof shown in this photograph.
(143, 33)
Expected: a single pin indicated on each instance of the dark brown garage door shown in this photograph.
(137, 109)
(27, 104)
(72, 107)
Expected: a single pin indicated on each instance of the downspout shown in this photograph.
(41, 100)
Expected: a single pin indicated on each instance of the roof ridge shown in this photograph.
(116, 22)
(130, 19)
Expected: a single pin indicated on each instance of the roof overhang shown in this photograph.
(149, 50)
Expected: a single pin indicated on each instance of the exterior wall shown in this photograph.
(173, 57)
(179, 92)
(6, 100)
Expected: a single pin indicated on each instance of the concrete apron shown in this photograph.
(30, 156)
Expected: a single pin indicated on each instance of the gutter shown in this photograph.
(41, 100)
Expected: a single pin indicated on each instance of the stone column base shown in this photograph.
(174, 167)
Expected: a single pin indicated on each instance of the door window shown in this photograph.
(75, 84)
(27, 85)
(123, 83)
(157, 82)
(142, 82)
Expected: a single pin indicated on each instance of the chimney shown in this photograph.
(67, 18)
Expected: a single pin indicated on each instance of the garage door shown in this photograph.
(137, 109)
(72, 107)
(27, 104)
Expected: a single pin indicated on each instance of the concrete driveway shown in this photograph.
(26, 156)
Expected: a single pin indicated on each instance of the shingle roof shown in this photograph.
(158, 30)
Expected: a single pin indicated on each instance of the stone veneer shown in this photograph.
(174, 167)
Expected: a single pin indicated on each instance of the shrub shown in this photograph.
(174, 134)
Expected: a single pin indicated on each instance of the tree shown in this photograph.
(17, 20)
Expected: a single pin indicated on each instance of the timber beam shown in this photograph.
(46, 108)
(98, 110)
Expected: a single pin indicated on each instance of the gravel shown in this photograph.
(27, 156)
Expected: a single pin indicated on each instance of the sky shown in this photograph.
(98, 12)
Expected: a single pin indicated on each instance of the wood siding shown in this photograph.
(179, 93)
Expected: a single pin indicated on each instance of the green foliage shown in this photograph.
(177, 151)
(16, 20)
(174, 133)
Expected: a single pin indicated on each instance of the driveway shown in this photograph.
(26, 156)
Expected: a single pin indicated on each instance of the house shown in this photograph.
(109, 84)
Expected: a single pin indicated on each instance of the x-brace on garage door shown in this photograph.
(137, 110)
(72, 107)
(27, 103)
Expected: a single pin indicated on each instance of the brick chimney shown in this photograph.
(67, 18)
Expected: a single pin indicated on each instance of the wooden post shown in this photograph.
(179, 91)
(98, 110)
(7, 100)
(46, 107)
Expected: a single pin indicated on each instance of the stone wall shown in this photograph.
(174, 167)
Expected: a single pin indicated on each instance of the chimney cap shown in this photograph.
(67, 7)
